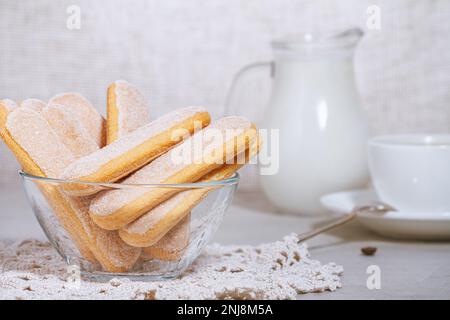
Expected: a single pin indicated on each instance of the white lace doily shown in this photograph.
(278, 270)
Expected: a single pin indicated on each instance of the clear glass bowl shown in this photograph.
(205, 219)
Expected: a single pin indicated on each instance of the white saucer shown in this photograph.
(396, 224)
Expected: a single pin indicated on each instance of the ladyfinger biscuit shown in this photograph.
(36, 144)
(172, 246)
(30, 166)
(150, 228)
(35, 104)
(127, 110)
(85, 111)
(70, 130)
(203, 152)
(134, 150)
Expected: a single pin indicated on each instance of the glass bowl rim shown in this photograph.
(233, 180)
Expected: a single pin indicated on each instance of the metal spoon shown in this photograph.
(377, 208)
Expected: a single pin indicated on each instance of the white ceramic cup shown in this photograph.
(411, 172)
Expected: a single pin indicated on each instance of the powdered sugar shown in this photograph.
(150, 219)
(107, 246)
(32, 103)
(279, 270)
(93, 162)
(9, 104)
(85, 111)
(132, 108)
(70, 130)
(173, 243)
(35, 136)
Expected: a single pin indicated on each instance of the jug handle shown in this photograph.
(239, 76)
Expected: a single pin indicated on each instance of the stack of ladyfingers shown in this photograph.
(66, 138)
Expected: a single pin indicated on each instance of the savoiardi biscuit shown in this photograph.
(127, 110)
(134, 150)
(205, 151)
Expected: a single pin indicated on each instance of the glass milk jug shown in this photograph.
(322, 128)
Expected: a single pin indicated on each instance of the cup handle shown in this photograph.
(240, 75)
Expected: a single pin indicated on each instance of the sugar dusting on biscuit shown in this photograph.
(6, 107)
(132, 108)
(80, 207)
(86, 112)
(177, 238)
(32, 103)
(70, 129)
(108, 243)
(9, 104)
(35, 136)
(172, 245)
(111, 251)
(93, 162)
(121, 255)
(144, 223)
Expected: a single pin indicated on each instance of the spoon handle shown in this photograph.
(307, 235)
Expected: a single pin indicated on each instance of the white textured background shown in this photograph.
(186, 52)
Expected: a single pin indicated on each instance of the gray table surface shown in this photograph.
(409, 270)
